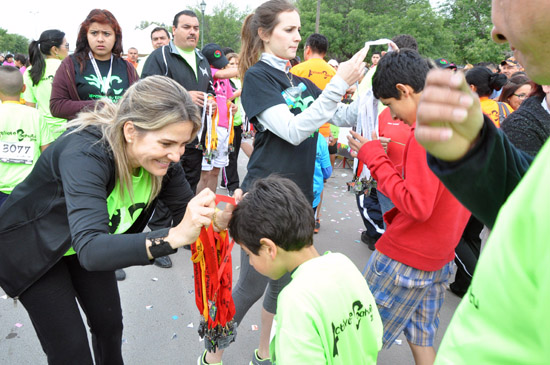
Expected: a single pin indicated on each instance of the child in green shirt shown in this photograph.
(23, 134)
(327, 313)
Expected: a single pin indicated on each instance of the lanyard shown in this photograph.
(105, 84)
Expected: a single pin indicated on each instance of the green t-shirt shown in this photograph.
(191, 59)
(238, 117)
(503, 318)
(22, 133)
(122, 213)
(40, 95)
(326, 315)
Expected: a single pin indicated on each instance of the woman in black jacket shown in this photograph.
(92, 194)
(529, 126)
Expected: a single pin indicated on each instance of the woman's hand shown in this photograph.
(352, 70)
(223, 217)
(199, 213)
(238, 195)
(449, 117)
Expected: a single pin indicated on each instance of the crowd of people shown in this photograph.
(111, 161)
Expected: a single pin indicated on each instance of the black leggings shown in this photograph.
(52, 306)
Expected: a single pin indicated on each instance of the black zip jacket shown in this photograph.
(63, 202)
(167, 61)
(484, 178)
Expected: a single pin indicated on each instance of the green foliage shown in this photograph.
(223, 26)
(470, 22)
(459, 30)
(13, 43)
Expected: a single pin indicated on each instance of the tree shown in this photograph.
(14, 43)
(459, 30)
(224, 26)
(470, 22)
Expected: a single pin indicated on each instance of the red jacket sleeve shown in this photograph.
(415, 192)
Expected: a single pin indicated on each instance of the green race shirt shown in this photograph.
(326, 315)
(503, 318)
(191, 59)
(122, 213)
(40, 95)
(22, 133)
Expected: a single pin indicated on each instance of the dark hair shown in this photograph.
(227, 50)
(160, 28)
(513, 84)
(274, 208)
(21, 58)
(318, 43)
(490, 65)
(40, 48)
(405, 41)
(11, 81)
(485, 80)
(9, 55)
(266, 17)
(403, 67)
(100, 16)
(536, 90)
(190, 13)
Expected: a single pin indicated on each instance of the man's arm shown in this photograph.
(474, 160)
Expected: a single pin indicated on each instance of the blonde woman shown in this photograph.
(80, 213)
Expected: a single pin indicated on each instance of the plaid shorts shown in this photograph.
(408, 299)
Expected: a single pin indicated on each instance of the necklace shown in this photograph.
(287, 72)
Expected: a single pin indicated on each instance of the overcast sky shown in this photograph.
(31, 17)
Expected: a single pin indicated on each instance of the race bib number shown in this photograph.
(17, 152)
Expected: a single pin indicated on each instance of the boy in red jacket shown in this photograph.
(411, 266)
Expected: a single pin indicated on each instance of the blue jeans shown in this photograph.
(385, 204)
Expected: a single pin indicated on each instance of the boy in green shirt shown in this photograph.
(23, 134)
(326, 314)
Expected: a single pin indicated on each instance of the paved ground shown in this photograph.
(160, 316)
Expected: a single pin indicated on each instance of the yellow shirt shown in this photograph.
(320, 73)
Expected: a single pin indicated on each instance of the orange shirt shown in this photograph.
(320, 73)
(490, 108)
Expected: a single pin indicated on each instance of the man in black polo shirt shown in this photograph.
(182, 62)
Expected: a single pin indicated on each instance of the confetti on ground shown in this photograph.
(155, 279)
(336, 231)
(201, 339)
(254, 327)
(357, 241)
(18, 325)
(344, 175)
(237, 267)
(124, 341)
(174, 335)
(148, 307)
(5, 296)
(398, 341)
(175, 317)
(190, 325)
(190, 291)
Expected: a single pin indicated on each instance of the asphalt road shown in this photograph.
(160, 316)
